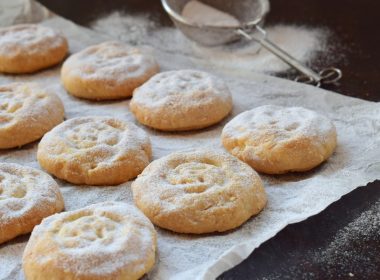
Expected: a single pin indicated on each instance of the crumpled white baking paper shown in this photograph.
(291, 198)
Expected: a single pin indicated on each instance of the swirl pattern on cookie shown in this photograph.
(275, 140)
(110, 240)
(199, 192)
(110, 70)
(26, 48)
(181, 100)
(27, 195)
(95, 151)
(27, 112)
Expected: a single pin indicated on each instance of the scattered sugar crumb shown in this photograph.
(352, 248)
(304, 43)
(132, 29)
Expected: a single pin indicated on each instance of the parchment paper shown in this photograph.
(292, 198)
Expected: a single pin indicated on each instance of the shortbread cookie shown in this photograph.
(181, 100)
(95, 151)
(27, 195)
(110, 70)
(27, 48)
(199, 192)
(110, 240)
(276, 140)
(27, 112)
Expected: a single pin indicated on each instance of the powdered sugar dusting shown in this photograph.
(178, 177)
(109, 61)
(183, 88)
(99, 141)
(28, 38)
(100, 240)
(21, 101)
(199, 191)
(23, 190)
(346, 251)
(302, 42)
(283, 121)
(349, 254)
(291, 198)
(132, 29)
(199, 13)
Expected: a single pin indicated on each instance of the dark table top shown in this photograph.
(343, 241)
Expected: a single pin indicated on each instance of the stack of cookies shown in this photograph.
(194, 192)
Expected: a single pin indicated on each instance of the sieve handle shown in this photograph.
(326, 76)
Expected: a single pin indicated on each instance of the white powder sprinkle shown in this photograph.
(291, 198)
(28, 39)
(133, 29)
(25, 192)
(181, 88)
(350, 253)
(198, 13)
(283, 122)
(304, 43)
(111, 62)
(74, 240)
(351, 248)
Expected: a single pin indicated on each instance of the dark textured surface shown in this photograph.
(342, 242)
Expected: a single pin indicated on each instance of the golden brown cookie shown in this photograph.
(181, 100)
(27, 48)
(199, 192)
(104, 241)
(27, 195)
(27, 112)
(275, 140)
(95, 151)
(110, 70)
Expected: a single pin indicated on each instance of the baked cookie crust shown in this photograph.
(27, 195)
(199, 192)
(27, 48)
(276, 140)
(27, 112)
(110, 240)
(95, 151)
(181, 100)
(110, 70)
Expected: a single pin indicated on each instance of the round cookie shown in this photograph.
(95, 151)
(199, 192)
(275, 140)
(27, 112)
(27, 48)
(110, 240)
(27, 195)
(181, 100)
(110, 70)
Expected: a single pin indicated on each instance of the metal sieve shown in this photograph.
(251, 15)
